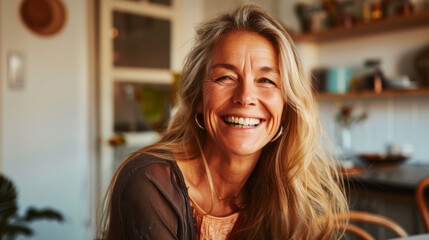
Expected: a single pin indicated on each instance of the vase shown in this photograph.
(345, 151)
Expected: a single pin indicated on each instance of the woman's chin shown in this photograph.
(244, 149)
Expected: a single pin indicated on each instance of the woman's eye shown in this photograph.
(266, 80)
(224, 78)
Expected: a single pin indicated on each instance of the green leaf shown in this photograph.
(13, 230)
(33, 214)
(154, 100)
(8, 205)
(11, 224)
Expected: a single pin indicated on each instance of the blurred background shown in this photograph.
(86, 82)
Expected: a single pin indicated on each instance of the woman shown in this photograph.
(241, 158)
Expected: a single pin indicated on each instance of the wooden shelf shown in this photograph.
(371, 94)
(361, 29)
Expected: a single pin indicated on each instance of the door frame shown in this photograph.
(2, 73)
(103, 74)
(93, 118)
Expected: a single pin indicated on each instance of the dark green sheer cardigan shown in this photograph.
(150, 201)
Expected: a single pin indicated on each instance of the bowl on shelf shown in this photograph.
(401, 82)
(382, 160)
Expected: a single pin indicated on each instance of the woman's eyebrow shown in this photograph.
(224, 65)
(266, 69)
(270, 70)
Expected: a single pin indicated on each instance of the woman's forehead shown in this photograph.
(243, 46)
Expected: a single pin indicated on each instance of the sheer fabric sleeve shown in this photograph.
(147, 204)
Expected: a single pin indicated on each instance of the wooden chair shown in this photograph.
(372, 218)
(421, 201)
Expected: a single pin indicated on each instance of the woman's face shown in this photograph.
(242, 97)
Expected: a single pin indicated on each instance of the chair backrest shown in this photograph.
(421, 201)
(372, 218)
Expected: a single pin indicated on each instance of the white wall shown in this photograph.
(285, 12)
(399, 120)
(45, 125)
(189, 15)
(392, 120)
(212, 8)
(395, 49)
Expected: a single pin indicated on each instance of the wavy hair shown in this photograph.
(295, 190)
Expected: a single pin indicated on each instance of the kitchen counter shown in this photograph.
(389, 192)
(404, 177)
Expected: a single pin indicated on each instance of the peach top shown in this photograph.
(211, 227)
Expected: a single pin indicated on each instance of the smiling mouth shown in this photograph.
(241, 122)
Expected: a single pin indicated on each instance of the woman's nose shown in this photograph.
(245, 94)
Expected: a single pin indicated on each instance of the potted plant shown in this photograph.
(11, 223)
(346, 119)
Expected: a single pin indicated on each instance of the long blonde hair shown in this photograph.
(295, 190)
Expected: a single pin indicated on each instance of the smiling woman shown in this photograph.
(242, 87)
(241, 158)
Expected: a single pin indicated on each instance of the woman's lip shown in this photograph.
(241, 127)
(241, 116)
(242, 122)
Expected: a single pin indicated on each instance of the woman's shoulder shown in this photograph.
(144, 161)
(149, 194)
(146, 168)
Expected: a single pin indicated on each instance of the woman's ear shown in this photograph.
(200, 107)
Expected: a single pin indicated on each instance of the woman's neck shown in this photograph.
(229, 172)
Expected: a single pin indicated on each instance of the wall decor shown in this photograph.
(16, 70)
(43, 17)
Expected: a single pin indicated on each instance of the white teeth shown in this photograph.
(242, 122)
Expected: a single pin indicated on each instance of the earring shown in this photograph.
(279, 133)
(198, 123)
